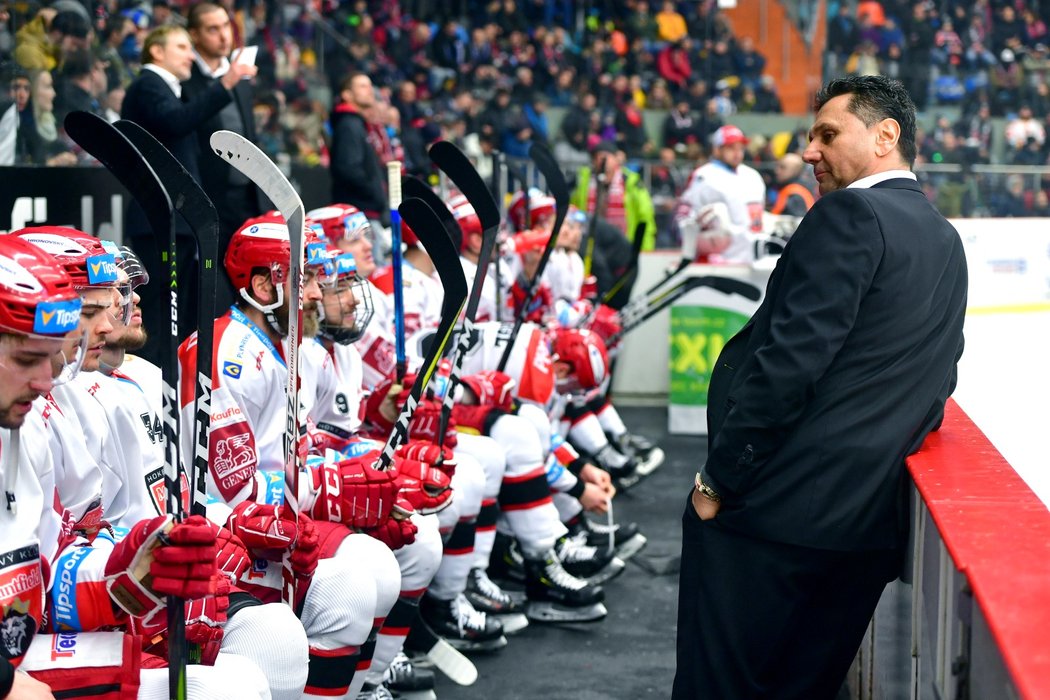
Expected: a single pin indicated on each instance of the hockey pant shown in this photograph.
(457, 523)
(527, 512)
(273, 639)
(419, 562)
(337, 614)
(105, 665)
(494, 461)
(560, 479)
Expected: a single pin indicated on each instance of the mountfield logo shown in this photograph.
(102, 269)
(56, 317)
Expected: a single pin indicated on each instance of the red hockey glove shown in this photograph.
(426, 423)
(428, 490)
(589, 288)
(541, 301)
(606, 322)
(205, 618)
(352, 492)
(307, 548)
(266, 531)
(159, 558)
(383, 405)
(396, 532)
(492, 388)
(232, 558)
(430, 453)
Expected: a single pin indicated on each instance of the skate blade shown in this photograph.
(632, 546)
(450, 661)
(623, 483)
(652, 463)
(416, 694)
(543, 611)
(614, 568)
(467, 646)
(513, 622)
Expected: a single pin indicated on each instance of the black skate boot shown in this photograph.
(489, 598)
(622, 469)
(505, 563)
(461, 625)
(554, 595)
(626, 539)
(648, 455)
(408, 680)
(595, 565)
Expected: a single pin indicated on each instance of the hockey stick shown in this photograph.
(414, 188)
(682, 264)
(601, 194)
(428, 229)
(393, 178)
(453, 163)
(628, 274)
(197, 209)
(500, 186)
(246, 157)
(102, 140)
(726, 285)
(544, 160)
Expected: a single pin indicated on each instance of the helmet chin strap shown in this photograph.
(267, 310)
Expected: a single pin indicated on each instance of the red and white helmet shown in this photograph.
(467, 219)
(84, 258)
(541, 206)
(37, 297)
(587, 357)
(262, 242)
(341, 221)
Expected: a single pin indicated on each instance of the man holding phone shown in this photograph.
(235, 196)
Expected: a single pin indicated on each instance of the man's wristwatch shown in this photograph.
(705, 490)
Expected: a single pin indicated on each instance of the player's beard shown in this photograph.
(132, 339)
(310, 321)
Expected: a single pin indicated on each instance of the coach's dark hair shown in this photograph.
(874, 98)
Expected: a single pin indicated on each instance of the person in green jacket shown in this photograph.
(627, 203)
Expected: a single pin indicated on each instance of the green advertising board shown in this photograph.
(698, 334)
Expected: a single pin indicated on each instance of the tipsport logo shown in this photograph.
(102, 269)
(345, 265)
(56, 317)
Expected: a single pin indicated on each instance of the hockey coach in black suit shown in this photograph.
(799, 517)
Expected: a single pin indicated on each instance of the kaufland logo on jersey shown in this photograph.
(56, 317)
(102, 269)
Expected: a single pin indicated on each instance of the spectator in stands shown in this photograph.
(670, 23)
(536, 114)
(976, 132)
(792, 196)
(580, 121)
(82, 81)
(766, 99)
(659, 97)
(673, 64)
(449, 51)
(681, 125)
(720, 61)
(1006, 82)
(41, 44)
(748, 63)
(236, 198)
(627, 203)
(1010, 201)
(357, 174)
(918, 44)
(842, 38)
(642, 25)
(117, 29)
(41, 127)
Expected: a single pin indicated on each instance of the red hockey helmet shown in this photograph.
(467, 219)
(83, 257)
(586, 356)
(341, 221)
(540, 206)
(36, 294)
(263, 242)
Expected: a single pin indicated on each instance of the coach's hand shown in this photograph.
(705, 508)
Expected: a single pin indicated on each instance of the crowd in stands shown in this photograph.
(485, 73)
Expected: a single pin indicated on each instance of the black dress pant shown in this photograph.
(760, 619)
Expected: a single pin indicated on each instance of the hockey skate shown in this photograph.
(554, 595)
(409, 681)
(622, 468)
(506, 563)
(461, 625)
(627, 539)
(645, 452)
(375, 692)
(489, 598)
(593, 564)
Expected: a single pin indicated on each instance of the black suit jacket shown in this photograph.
(215, 171)
(840, 374)
(151, 104)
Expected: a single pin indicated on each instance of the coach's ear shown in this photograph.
(886, 137)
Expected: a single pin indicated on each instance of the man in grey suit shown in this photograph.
(799, 516)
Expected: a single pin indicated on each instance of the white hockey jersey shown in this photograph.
(529, 363)
(742, 191)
